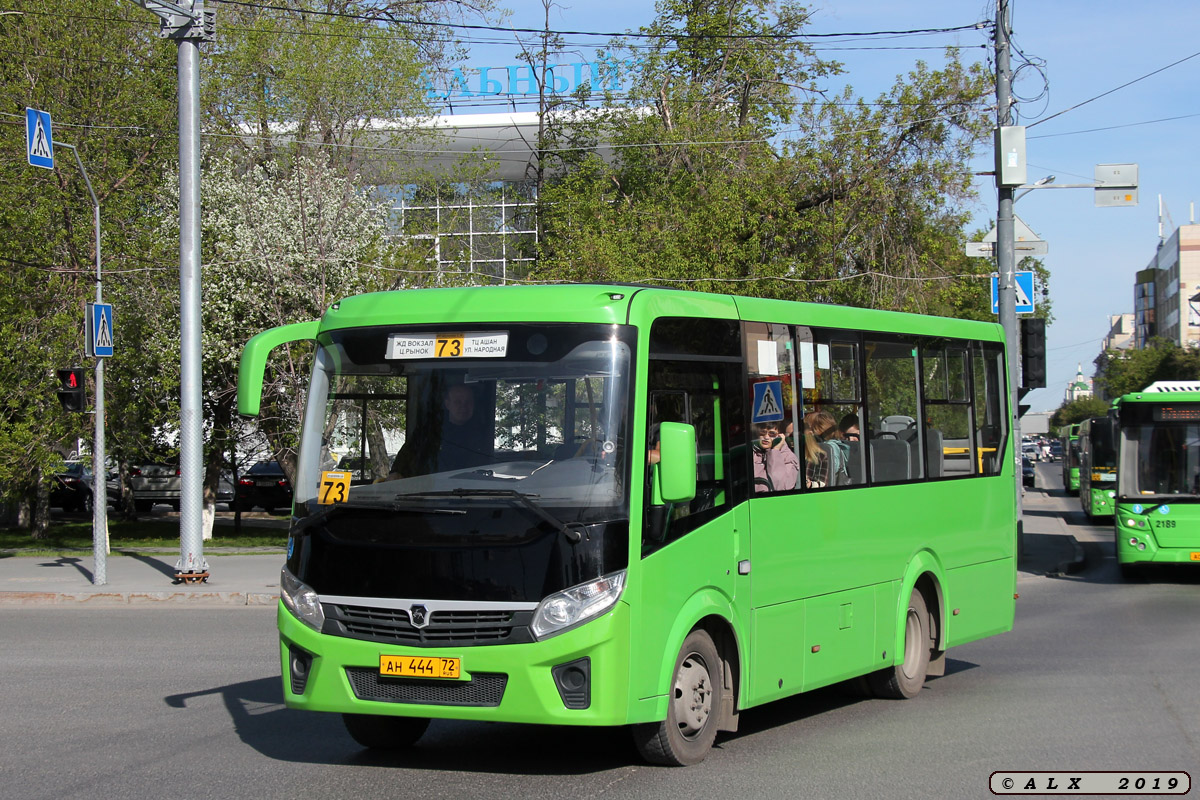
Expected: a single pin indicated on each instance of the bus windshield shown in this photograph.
(1168, 451)
(431, 420)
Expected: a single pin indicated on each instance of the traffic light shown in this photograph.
(1033, 353)
(70, 389)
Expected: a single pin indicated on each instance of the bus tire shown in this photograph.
(904, 680)
(693, 708)
(384, 733)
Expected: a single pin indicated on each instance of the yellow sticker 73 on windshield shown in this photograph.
(334, 488)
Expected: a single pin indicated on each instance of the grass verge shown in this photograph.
(67, 536)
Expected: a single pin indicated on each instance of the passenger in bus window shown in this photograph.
(849, 428)
(826, 455)
(775, 466)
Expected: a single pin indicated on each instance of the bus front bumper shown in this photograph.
(498, 683)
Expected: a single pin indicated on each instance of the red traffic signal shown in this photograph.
(70, 389)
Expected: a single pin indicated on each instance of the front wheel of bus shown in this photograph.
(687, 734)
(384, 733)
(905, 679)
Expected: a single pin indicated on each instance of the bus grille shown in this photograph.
(445, 628)
(484, 689)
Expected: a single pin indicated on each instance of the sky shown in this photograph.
(1080, 54)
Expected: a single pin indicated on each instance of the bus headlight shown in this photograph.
(302, 601)
(570, 607)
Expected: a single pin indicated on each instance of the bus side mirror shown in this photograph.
(254, 361)
(677, 462)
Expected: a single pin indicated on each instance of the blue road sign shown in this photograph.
(39, 140)
(768, 401)
(1024, 292)
(100, 330)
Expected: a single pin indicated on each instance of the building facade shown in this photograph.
(1166, 295)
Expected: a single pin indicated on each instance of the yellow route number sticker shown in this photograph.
(335, 488)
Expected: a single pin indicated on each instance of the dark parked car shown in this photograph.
(71, 489)
(1028, 476)
(264, 486)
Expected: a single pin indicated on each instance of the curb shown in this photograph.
(199, 598)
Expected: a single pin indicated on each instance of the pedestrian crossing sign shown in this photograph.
(1023, 286)
(39, 139)
(100, 330)
(768, 401)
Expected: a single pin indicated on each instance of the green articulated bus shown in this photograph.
(1070, 458)
(1158, 496)
(597, 505)
(1097, 467)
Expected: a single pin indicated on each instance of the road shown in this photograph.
(146, 702)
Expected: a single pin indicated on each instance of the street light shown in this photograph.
(1042, 182)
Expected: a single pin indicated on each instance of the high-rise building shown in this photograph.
(1166, 295)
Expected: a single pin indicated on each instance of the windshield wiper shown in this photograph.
(572, 533)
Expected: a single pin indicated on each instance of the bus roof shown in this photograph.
(614, 304)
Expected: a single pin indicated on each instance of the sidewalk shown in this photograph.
(243, 579)
(1048, 546)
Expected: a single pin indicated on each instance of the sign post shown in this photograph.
(40, 144)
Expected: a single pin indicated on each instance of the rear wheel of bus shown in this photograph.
(687, 734)
(384, 733)
(905, 679)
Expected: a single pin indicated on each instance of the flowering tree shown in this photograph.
(280, 245)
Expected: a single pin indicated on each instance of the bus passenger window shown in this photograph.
(894, 436)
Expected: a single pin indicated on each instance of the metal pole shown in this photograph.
(191, 566)
(99, 485)
(1005, 252)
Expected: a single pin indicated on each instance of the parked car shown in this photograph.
(1031, 451)
(264, 486)
(1028, 474)
(71, 489)
(154, 483)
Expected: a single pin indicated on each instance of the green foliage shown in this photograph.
(1078, 410)
(733, 184)
(108, 81)
(1133, 370)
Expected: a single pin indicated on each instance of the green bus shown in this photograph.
(1158, 495)
(1097, 467)
(582, 505)
(1070, 458)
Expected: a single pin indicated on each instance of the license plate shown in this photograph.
(264, 483)
(1195, 556)
(418, 667)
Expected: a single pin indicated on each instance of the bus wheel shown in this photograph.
(905, 679)
(687, 734)
(384, 733)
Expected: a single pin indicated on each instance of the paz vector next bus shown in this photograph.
(556, 514)
(1158, 482)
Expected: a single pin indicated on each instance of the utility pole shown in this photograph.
(99, 482)
(189, 24)
(1005, 252)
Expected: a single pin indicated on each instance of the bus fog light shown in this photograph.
(1133, 540)
(570, 607)
(301, 600)
(1141, 545)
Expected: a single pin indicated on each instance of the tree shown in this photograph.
(866, 207)
(1078, 410)
(1133, 370)
(279, 246)
(100, 70)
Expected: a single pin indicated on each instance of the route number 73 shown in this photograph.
(335, 488)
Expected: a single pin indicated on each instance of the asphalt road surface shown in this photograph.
(151, 702)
